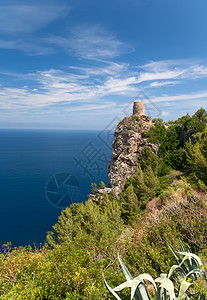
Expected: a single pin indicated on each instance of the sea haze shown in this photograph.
(29, 159)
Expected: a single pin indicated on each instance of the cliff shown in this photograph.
(127, 146)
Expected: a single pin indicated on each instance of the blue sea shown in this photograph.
(43, 171)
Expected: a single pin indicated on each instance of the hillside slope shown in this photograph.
(158, 194)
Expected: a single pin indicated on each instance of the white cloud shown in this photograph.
(84, 89)
(31, 46)
(68, 90)
(91, 42)
(171, 70)
(20, 25)
(26, 18)
(103, 69)
(146, 76)
(162, 83)
(165, 113)
(201, 95)
(119, 85)
(163, 65)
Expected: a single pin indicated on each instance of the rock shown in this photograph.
(104, 191)
(127, 146)
(100, 194)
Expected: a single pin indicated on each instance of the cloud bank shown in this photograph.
(86, 87)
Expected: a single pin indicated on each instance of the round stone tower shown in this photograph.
(138, 108)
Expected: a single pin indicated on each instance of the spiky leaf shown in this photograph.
(125, 270)
(111, 291)
(183, 288)
(166, 284)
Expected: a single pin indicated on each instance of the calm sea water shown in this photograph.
(33, 162)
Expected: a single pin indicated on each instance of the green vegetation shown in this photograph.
(142, 187)
(195, 157)
(84, 242)
(137, 120)
(177, 283)
(95, 188)
(181, 140)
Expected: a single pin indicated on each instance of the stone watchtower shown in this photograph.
(138, 108)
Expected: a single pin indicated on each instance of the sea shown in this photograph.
(43, 172)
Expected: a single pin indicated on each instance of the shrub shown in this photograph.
(176, 283)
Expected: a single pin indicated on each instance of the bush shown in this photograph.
(195, 156)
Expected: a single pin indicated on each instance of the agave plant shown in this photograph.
(137, 286)
(188, 269)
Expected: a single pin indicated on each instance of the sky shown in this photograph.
(80, 64)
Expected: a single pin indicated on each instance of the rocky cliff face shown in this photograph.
(127, 146)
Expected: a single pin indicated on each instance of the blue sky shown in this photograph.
(79, 64)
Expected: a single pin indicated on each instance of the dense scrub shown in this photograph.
(84, 242)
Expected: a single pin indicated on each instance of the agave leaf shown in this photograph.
(164, 294)
(160, 279)
(182, 246)
(138, 289)
(111, 290)
(167, 284)
(161, 294)
(195, 264)
(172, 269)
(128, 276)
(163, 275)
(158, 294)
(137, 295)
(146, 277)
(177, 257)
(183, 288)
(122, 286)
(125, 270)
(192, 258)
(140, 292)
(189, 250)
(183, 249)
(192, 255)
(195, 273)
(134, 288)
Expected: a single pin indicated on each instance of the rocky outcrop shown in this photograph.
(100, 194)
(127, 146)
